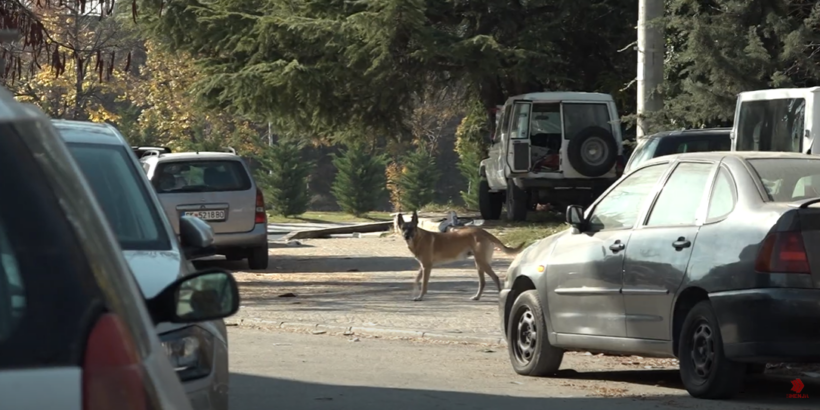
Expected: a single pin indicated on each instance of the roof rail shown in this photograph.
(231, 150)
(152, 153)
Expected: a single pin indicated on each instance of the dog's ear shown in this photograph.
(415, 220)
(399, 220)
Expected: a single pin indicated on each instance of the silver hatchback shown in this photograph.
(218, 188)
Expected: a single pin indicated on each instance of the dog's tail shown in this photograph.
(504, 248)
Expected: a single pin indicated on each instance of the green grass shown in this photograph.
(537, 226)
(329, 217)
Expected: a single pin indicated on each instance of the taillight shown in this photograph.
(783, 252)
(112, 372)
(261, 216)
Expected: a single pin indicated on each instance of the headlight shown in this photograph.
(190, 351)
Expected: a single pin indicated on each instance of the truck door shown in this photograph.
(518, 148)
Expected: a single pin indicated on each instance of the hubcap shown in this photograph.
(703, 350)
(594, 151)
(527, 337)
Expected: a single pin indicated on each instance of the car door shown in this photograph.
(585, 269)
(518, 149)
(660, 248)
(495, 167)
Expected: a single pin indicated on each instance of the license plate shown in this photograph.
(208, 215)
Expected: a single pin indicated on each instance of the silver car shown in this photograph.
(75, 330)
(198, 352)
(218, 188)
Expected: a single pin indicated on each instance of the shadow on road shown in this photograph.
(249, 392)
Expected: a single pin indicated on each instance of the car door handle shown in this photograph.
(681, 243)
(617, 246)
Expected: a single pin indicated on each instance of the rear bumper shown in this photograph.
(769, 325)
(258, 236)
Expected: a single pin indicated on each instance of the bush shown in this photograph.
(471, 150)
(285, 187)
(360, 182)
(417, 184)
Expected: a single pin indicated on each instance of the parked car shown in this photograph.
(550, 147)
(199, 351)
(219, 188)
(75, 330)
(679, 142)
(707, 257)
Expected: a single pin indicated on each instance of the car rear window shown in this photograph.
(788, 179)
(201, 176)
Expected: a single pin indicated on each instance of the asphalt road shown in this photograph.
(281, 370)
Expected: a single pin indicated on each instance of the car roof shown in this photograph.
(88, 132)
(562, 96)
(718, 155)
(180, 156)
(700, 132)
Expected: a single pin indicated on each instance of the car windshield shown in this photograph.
(125, 201)
(201, 176)
(788, 179)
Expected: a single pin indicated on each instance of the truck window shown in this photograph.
(578, 116)
(771, 125)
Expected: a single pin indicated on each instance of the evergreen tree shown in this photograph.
(285, 187)
(722, 48)
(360, 179)
(418, 183)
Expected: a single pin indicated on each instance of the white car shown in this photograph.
(75, 331)
(199, 351)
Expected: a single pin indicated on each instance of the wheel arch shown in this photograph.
(521, 284)
(684, 302)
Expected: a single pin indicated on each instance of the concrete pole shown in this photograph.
(651, 47)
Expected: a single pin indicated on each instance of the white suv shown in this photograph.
(560, 148)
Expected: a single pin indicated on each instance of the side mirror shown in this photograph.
(196, 237)
(205, 295)
(575, 216)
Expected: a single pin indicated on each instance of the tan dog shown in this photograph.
(435, 248)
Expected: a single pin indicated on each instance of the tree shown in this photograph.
(730, 46)
(359, 183)
(324, 66)
(418, 183)
(286, 186)
(470, 137)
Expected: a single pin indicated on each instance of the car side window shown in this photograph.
(620, 207)
(681, 196)
(12, 291)
(724, 196)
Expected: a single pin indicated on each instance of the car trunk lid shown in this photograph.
(809, 224)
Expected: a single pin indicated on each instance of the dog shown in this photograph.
(436, 248)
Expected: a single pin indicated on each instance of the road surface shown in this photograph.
(294, 371)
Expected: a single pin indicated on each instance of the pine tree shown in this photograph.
(418, 183)
(285, 187)
(360, 182)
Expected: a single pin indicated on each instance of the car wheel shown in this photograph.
(705, 371)
(258, 258)
(516, 202)
(592, 152)
(530, 351)
(489, 203)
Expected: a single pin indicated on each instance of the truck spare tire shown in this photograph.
(592, 151)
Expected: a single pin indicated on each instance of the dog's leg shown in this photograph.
(481, 281)
(426, 278)
(417, 283)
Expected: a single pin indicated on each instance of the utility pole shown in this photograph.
(651, 47)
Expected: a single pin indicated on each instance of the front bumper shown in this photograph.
(769, 325)
(502, 309)
(256, 237)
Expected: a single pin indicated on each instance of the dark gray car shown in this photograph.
(679, 142)
(708, 257)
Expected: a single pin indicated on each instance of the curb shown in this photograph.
(379, 331)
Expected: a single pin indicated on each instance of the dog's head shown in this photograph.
(408, 229)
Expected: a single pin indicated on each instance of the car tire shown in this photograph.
(489, 203)
(705, 371)
(587, 138)
(516, 202)
(258, 258)
(531, 356)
